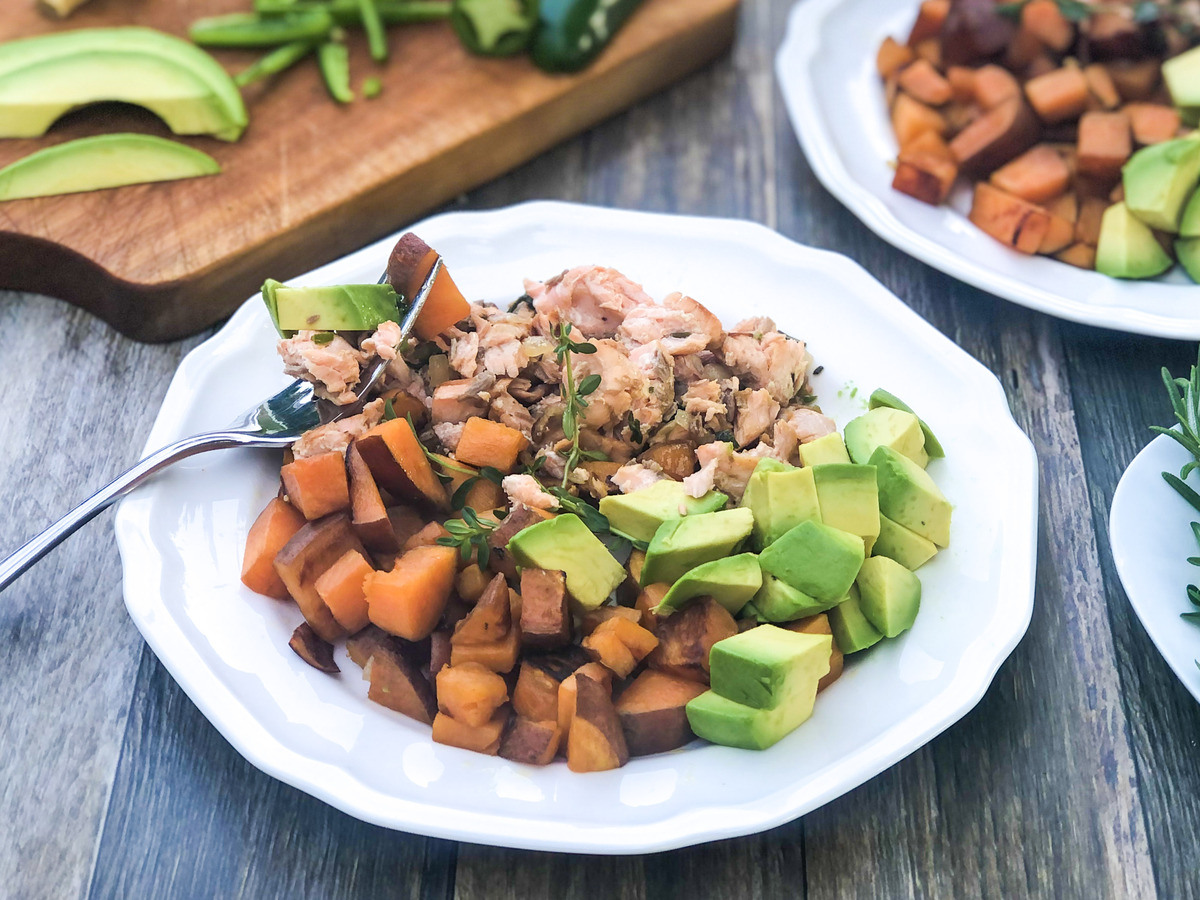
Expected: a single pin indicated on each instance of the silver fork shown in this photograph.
(276, 422)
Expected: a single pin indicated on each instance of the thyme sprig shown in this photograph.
(470, 535)
(574, 396)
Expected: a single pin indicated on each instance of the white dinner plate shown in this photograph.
(1149, 526)
(826, 70)
(181, 542)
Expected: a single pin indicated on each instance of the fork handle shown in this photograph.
(33, 550)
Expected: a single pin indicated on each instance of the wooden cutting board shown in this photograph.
(312, 180)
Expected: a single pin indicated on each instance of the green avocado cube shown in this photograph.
(682, 544)
(639, 514)
(780, 497)
(828, 449)
(731, 724)
(565, 544)
(887, 427)
(889, 595)
(778, 601)
(904, 546)
(815, 559)
(768, 666)
(909, 497)
(849, 498)
(731, 581)
(1158, 181)
(344, 307)
(1127, 247)
(851, 629)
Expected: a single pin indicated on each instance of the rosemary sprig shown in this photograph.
(1184, 394)
(470, 535)
(574, 396)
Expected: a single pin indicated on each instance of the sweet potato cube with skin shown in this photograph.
(314, 651)
(1060, 234)
(1105, 143)
(303, 559)
(1000, 134)
(640, 641)
(483, 738)
(594, 618)
(819, 624)
(1058, 96)
(1101, 85)
(925, 169)
(652, 712)
(1152, 123)
(428, 536)
(686, 637)
(490, 620)
(341, 587)
(410, 262)
(647, 601)
(923, 82)
(275, 526)
(1044, 19)
(1010, 220)
(892, 57)
(930, 50)
(1065, 206)
(609, 650)
(1087, 226)
(398, 463)
(545, 614)
(530, 742)
(317, 485)
(1135, 80)
(488, 443)
(439, 651)
(518, 519)
(1037, 175)
(930, 16)
(962, 83)
(399, 683)
(596, 741)
(408, 601)
(567, 692)
(536, 693)
(499, 656)
(1081, 256)
(994, 85)
(368, 514)
(470, 693)
(911, 117)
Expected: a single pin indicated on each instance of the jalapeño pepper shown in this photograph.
(571, 33)
(494, 27)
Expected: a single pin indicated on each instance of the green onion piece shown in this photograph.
(274, 62)
(253, 30)
(334, 60)
(347, 12)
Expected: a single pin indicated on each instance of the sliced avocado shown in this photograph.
(1188, 251)
(638, 515)
(682, 544)
(1158, 181)
(343, 307)
(909, 497)
(828, 449)
(780, 497)
(733, 724)
(269, 289)
(1182, 76)
(1127, 247)
(778, 601)
(768, 666)
(103, 161)
(885, 426)
(565, 544)
(851, 629)
(815, 559)
(904, 546)
(1189, 223)
(880, 397)
(43, 77)
(731, 581)
(889, 595)
(849, 498)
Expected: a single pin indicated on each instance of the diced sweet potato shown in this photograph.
(923, 82)
(426, 537)
(1058, 96)
(483, 738)
(518, 519)
(609, 650)
(929, 50)
(994, 85)
(536, 693)
(931, 15)
(637, 560)
(647, 601)
(471, 583)
(399, 465)
(360, 646)
(470, 693)
(1101, 85)
(406, 406)
(1152, 123)
(399, 683)
(595, 742)
(996, 137)
(488, 443)
(677, 459)
(1114, 35)
(317, 485)
(275, 526)
(819, 624)
(910, 118)
(962, 83)
(593, 618)
(636, 639)
(1087, 226)
(1059, 234)
(500, 655)
(1065, 206)
(341, 587)
(1044, 19)
(368, 514)
(1043, 64)
(531, 742)
(1014, 222)
(409, 600)
(314, 651)
(686, 637)
(1037, 175)
(974, 32)
(652, 712)
(405, 522)
(567, 691)
(439, 651)
(409, 264)
(892, 57)
(925, 169)
(485, 495)
(1082, 256)
(490, 620)
(1135, 80)
(1105, 143)
(545, 615)
(312, 550)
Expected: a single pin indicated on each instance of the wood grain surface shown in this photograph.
(1077, 776)
(312, 179)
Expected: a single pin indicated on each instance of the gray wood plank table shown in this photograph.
(1078, 775)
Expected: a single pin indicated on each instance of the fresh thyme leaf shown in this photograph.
(584, 348)
(635, 429)
(323, 337)
(726, 436)
(589, 385)
(594, 455)
(533, 467)
(492, 474)
(389, 411)
(470, 536)
(572, 395)
(1194, 560)
(592, 517)
(459, 499)
(681, 334)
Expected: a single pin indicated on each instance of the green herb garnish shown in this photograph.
(490, 473)
(573, 396)
(470, 535)
(592, 517)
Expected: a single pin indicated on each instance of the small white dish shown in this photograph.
(826, 70)
(181, 541)
(1150, 530)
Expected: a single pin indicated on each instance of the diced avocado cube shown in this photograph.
(781, 497)
(639, 514)
(345, 307)
(1127, 247)
(849, 498)
(886, 427)
(815, 559)
(565, 544)
(828, 449)
(904, 546)
(1189, 225)
(889, 595)
(731, 581)
(768, 666)
(908, 496)
(1188, 251)
(851, 629)
(732, 724)
(880, 397)
(1158, 180)
(778, 601)
(1182, 76)
(682, 544)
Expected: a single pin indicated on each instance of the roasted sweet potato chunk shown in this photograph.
(911, 118)
(312, 550)
(275, 526)
(368, 514)
(317, 485)
(995, 137)
(1152, 123)
(483, 738)
(1045, 20)
(686, 637)
(314, 651)
(1105, 143)
(341, 586)
(974, 32)
(409, 264)
(470, 693)
(567, 691)
(545, 614)
(398, 682)
(1037, 175)
(595, 742)
(925, 169)
(491, 618)
(892, 57)
(518, 519)
(409, 600)
(923, 82)
(1010, 220)
(398, 463)
(652, 713)
(530, 742)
